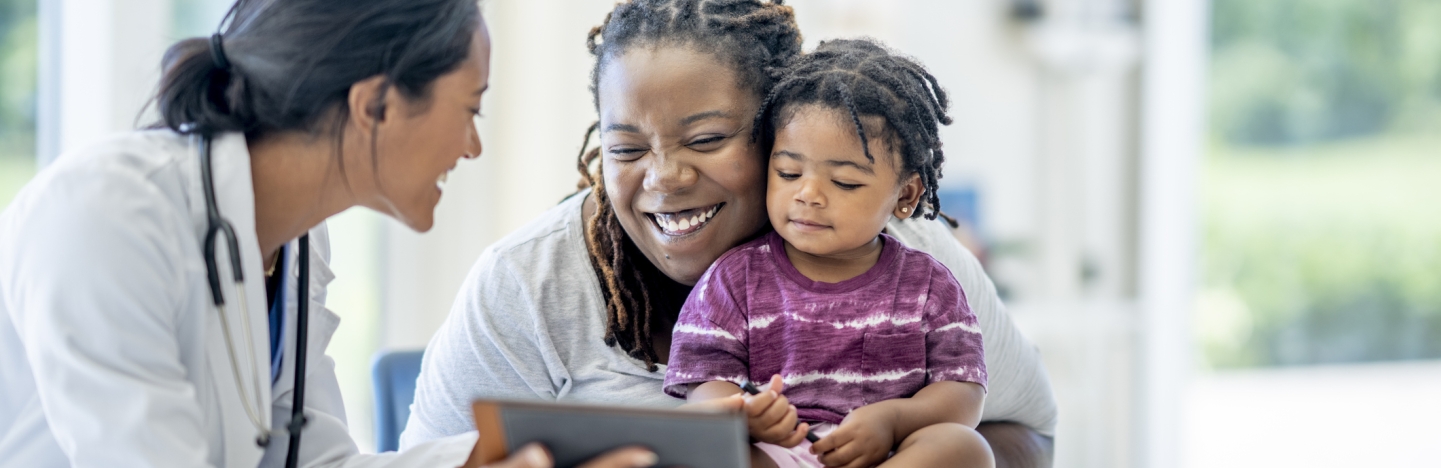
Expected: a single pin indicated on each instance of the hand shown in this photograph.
(535, 456)
(771, 418)
(865, 438)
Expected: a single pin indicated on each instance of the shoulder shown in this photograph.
(128, 182)
(544, 261)
(935, 238)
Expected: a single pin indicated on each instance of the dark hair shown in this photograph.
(292, 62)
(757, 39)
(861, 77)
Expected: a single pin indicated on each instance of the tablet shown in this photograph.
(575, 433)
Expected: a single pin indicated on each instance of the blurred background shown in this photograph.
(1217, 220)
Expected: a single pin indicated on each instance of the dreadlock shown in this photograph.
(757, 39)
(864, 78)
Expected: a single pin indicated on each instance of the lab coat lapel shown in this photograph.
(235, 199)
(322, 321)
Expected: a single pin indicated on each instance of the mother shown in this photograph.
(567, 307)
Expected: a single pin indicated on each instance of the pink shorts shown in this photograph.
(799, 456)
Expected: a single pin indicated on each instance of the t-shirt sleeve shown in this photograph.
(953, 336)
(709, 340)
(487, 348)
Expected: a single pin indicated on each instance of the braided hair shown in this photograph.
(755, 38)
(863, 78)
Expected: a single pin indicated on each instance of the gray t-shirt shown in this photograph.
(529, 320)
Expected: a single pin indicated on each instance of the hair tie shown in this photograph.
(217, 53)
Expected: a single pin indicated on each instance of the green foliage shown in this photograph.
(1304, 71)
(19, 37)
(1322, 254)
(1322, 237)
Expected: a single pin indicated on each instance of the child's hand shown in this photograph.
(771, 417)
(865, 438)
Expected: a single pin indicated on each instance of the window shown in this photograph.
(1322, 243)
(1321, 262)
(19, 44)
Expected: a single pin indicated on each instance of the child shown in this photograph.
(873, 342)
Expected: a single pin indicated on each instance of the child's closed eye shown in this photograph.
(787, 176)
(845, 186)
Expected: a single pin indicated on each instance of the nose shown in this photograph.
(473, 146)
(810, 194)
(668, 174)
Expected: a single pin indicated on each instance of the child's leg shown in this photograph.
(945, 444)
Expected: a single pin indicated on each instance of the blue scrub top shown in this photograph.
(277, 320)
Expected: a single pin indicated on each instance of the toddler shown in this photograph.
(872, 342)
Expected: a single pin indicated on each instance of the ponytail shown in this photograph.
(196, 89)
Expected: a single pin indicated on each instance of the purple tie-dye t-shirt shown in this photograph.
(884, 334)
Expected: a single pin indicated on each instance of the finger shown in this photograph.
(777, 413)
(796, 437)
(777, 384)
(788, 418)
(529, 456)
(629, 457)
(840, 456)
(835, 439)
(759, 403)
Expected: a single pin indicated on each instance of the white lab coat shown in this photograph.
(111, 352)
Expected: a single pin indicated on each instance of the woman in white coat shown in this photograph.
(112, 352)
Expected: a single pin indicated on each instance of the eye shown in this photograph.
(787, 175)
(706, 143)
(845, 186)
(626, 153)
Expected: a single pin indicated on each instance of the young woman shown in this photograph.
(579, 304)
(126, 339)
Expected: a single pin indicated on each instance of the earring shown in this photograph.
(905, 209)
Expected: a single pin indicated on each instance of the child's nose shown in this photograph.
(810, 194)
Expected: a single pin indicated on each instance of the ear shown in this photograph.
(370, 103)
(910, 196)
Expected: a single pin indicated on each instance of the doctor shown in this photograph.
(113, 350)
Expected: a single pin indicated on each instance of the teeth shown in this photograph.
(666, 222)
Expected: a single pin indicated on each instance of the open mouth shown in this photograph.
(440, 181)
(685, 222)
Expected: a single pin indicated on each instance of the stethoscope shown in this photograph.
(219, 226)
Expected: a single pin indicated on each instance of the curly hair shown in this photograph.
(861, 77)
(757, 39)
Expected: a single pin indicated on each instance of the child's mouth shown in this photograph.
(684, 222)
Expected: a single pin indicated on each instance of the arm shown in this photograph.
(770, 417)
(487, 347)
(940, 402)
(97, 282)
(1018, 446)
(1018, 389)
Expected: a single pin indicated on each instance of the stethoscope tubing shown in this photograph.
(218, 225)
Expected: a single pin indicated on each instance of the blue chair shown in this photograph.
(393, 373)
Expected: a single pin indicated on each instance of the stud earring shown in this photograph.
(905, 209)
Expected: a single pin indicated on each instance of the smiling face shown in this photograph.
(685, 180)
(421, 140)
(823, 196)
